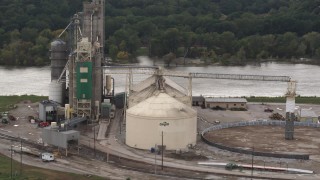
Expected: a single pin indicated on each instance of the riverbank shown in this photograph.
(181, 61)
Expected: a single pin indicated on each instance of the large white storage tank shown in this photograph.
(57, 91)
(143, 129)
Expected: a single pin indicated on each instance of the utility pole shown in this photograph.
(252, 162)
(20, 156)
(94, 140)
(155, 159)
(119, 123)
(11, 159)
(162, 148)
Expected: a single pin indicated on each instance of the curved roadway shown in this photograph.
(113, 146)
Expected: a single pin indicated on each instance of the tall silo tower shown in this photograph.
(58, 57)
(85, 81)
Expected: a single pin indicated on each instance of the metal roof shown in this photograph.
(225, 100)
(162, 106)
(307, 113)
(197, 98)
(49, 103)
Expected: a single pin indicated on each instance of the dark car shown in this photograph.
(268, 110)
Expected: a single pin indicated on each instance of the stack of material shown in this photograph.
(276, 116)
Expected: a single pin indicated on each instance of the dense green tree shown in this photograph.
(235, 30)
(312, 40)
(29, 34)
(171, 40)
(287, 45)
(227, 42)
(252, 45)
(113, 51)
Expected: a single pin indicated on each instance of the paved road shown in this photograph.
(114, 146)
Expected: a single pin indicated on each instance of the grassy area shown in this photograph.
(299, 99)
(7, 102)
(31, 172)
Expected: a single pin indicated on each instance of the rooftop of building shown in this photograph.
(307, 113)
(225, 100)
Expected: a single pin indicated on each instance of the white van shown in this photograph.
(47, 157)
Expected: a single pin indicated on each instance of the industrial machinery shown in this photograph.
(155, 71)
(83, 67)
(158, 98)
(77, 67)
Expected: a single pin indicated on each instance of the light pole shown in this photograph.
(11, 159)
(94, 141)
(252, 162)
(162, 149)
(162, 124)
(20, 156)
(155, 159)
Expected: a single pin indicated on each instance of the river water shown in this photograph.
(35, 80)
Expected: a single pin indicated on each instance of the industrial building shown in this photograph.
(226, 103)
(48, 110)
(197, 101)
(157, 110)
(307, 115)
(82, 60)
(59, 137)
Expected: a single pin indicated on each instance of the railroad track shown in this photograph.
(23, 141)
(117, 161)
(141, 166)
(8, 137)
(131, 164)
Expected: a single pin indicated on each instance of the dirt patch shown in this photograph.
(268, 139)
(187, 156)
(21, 126)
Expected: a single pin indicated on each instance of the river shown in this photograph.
(35, 80)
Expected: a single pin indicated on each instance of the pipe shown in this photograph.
(64, 30)
(91, 19)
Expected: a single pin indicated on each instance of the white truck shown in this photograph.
(47, 157)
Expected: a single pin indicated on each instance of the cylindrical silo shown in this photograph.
(161, 116)
(290, 104)
(108, 84)
(57, 91)
(58, 57)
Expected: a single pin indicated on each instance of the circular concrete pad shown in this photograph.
(268, 139)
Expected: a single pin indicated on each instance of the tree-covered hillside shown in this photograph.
(28, 26)
(225, 31)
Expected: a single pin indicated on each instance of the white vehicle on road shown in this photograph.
(47, 157)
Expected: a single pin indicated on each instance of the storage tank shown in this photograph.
(57, 91)
(58, 57)
(161, 115)
(108, 84)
